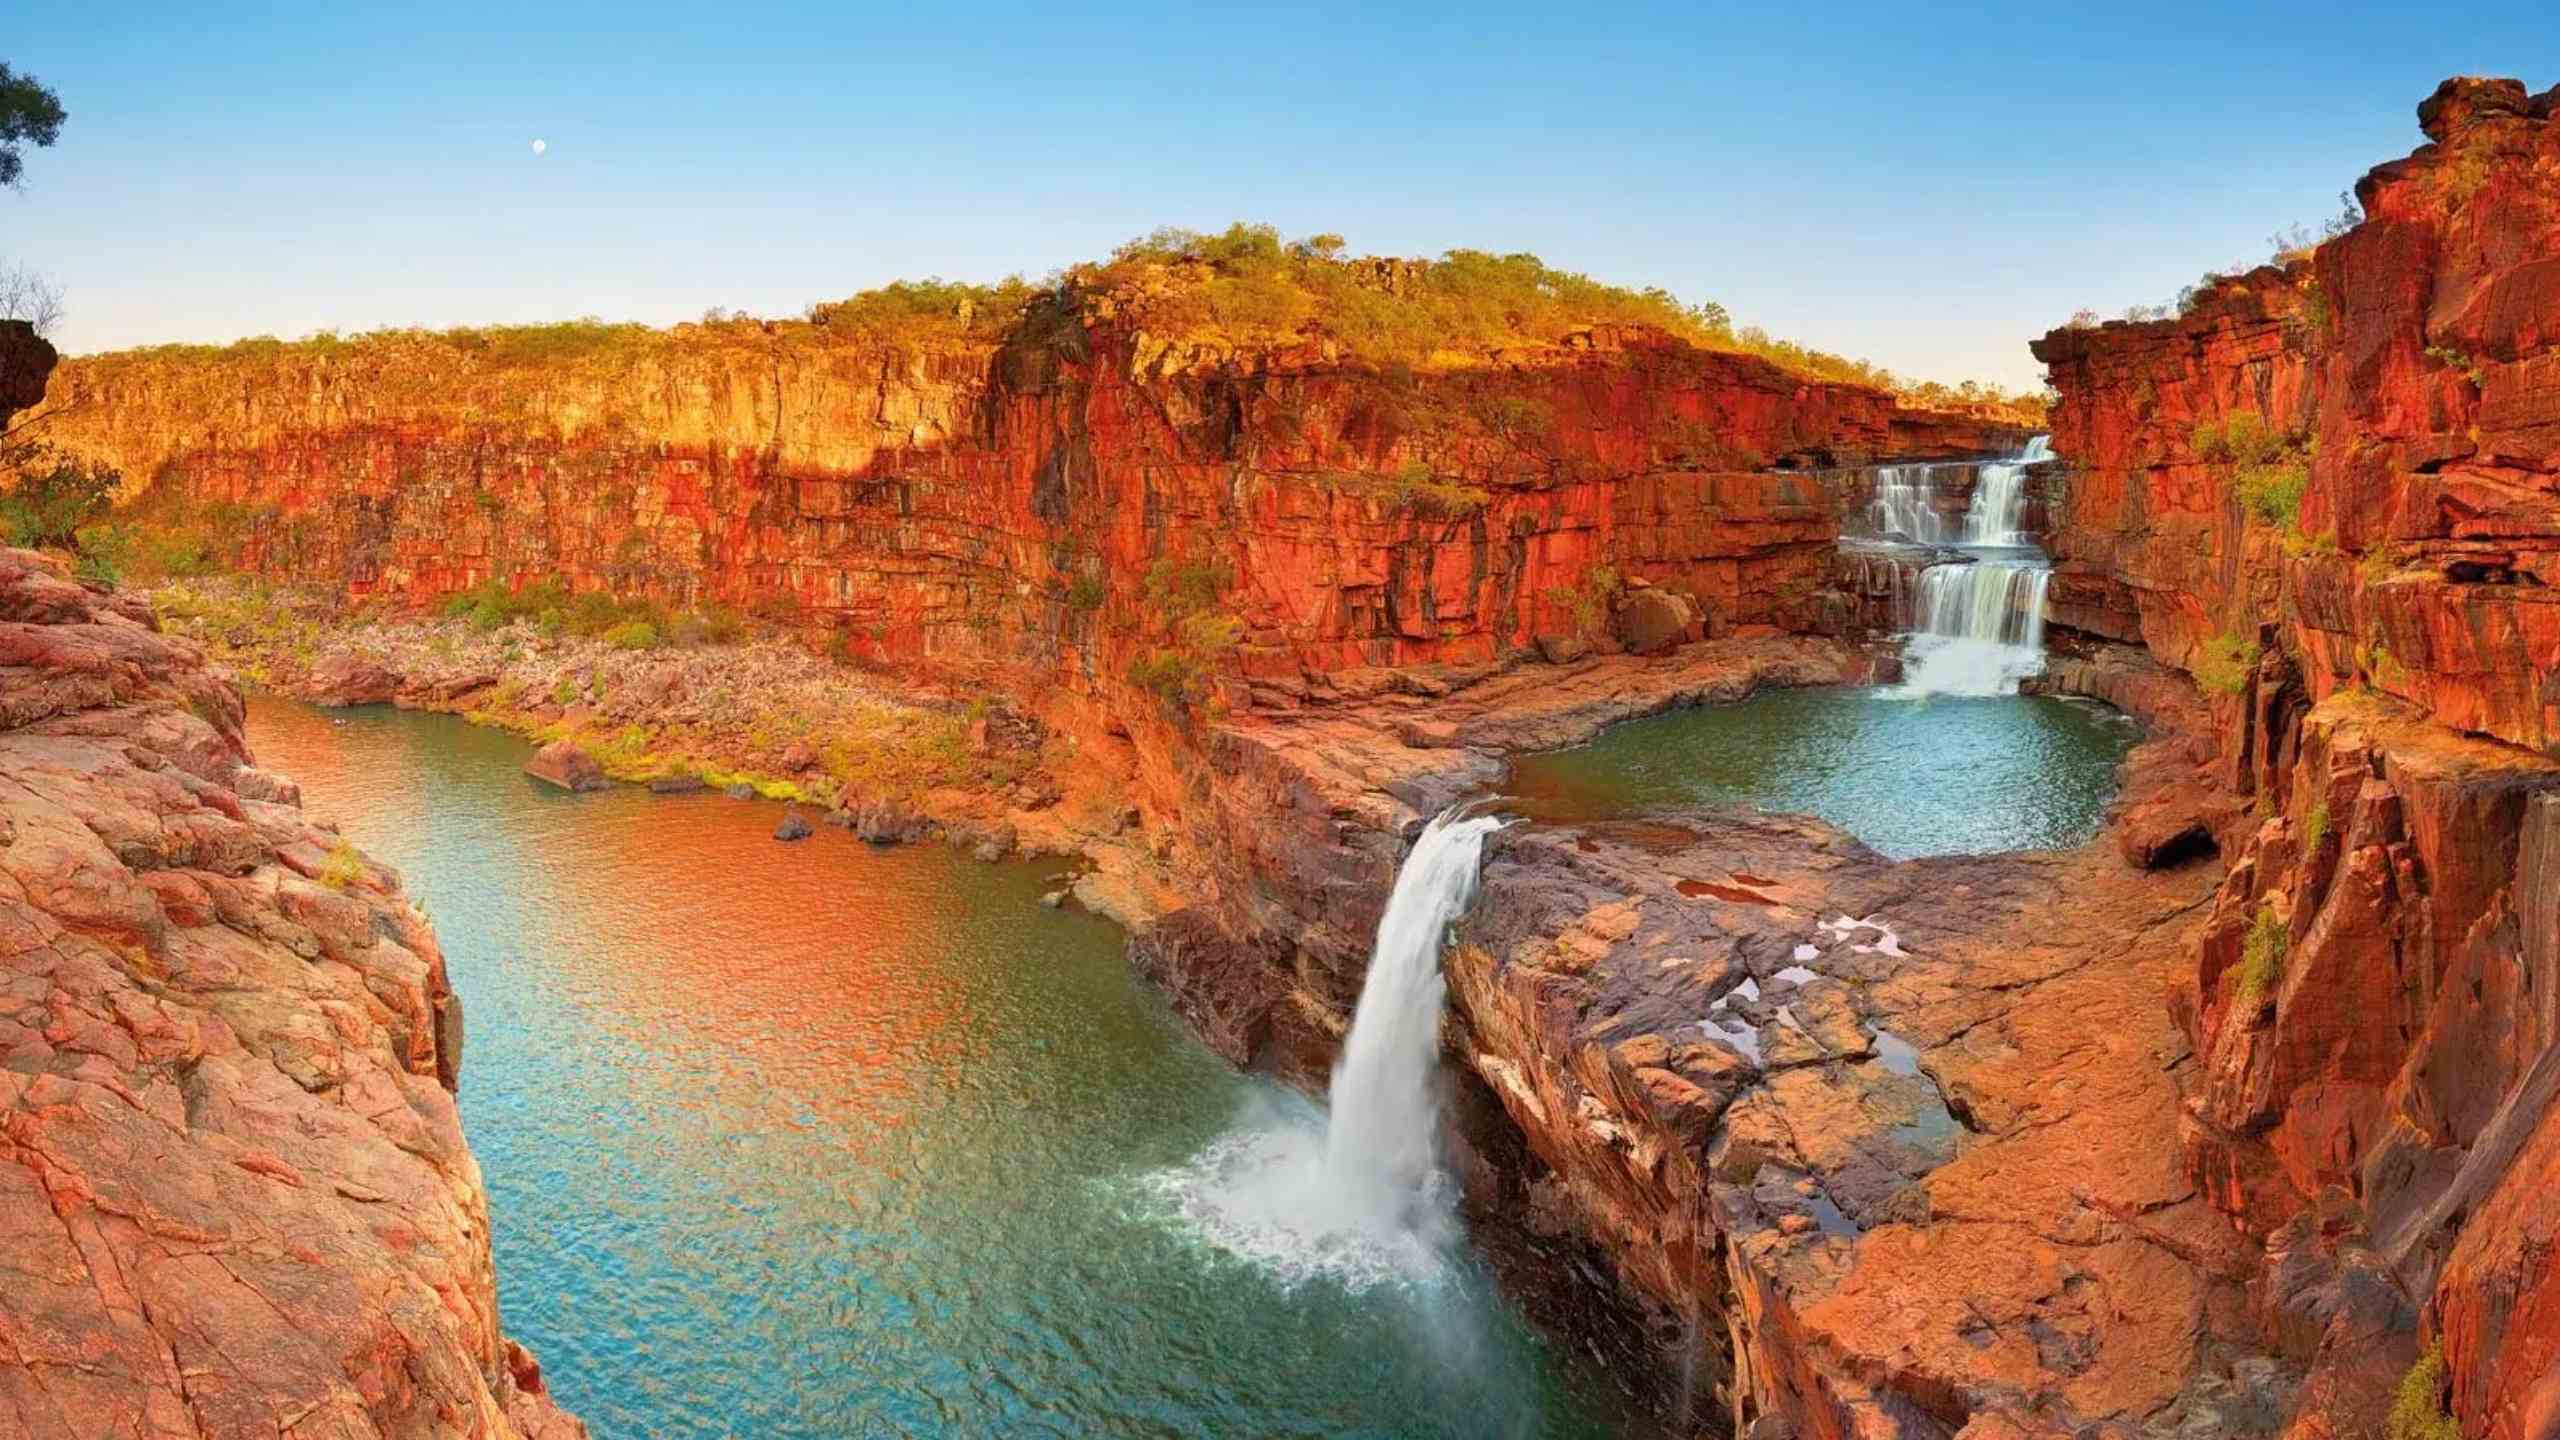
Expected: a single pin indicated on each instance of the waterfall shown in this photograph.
(1383, 1150)
(1905, 504)
(1978, 623)
(1360, 1195)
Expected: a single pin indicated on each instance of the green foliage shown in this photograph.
(1588, 599)
(2270, 471)
(2463, 174)
(2273, 492)
(52, 495)
(2224, 665)
(1183, 597)
(2242, 437)
(30, 114)
(1086, 592)
(2453, 359)
(2261, 957)
(2315, 827)
(344, 868)
(907, 312)
(632, 635)
(2417, 1403)
(104, 551)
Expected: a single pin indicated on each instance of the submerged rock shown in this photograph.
(678, 785)
(740, 791)
(565, 764)
(793, 827)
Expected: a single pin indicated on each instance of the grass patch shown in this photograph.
(2315, 828)
(2417, 1403)
(344, 869)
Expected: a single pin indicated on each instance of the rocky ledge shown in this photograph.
(234, 1194)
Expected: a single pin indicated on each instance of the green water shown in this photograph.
(1941, 775)
(818, 1140)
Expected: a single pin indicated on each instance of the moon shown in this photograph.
(541, 145)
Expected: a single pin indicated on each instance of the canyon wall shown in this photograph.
(968, 505)
(2359, 571)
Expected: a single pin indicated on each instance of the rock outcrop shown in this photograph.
(2359, 569)
(233, 1185)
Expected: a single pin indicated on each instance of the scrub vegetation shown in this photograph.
(1243, 288)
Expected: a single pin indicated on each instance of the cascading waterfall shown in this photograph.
(1978, 623)
(1978, 628)
(1361, 1195)
(1904, 504)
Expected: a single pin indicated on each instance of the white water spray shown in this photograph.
(1361, 1196)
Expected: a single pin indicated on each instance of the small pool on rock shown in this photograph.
(1911, 776)
(815, 1141)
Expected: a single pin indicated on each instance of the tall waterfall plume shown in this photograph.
(1359, 1194)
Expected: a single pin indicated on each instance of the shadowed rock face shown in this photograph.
(233, 1186)
(2372, 1001)
(972, 505)
(25, 360)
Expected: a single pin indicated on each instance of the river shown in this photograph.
(820, 1140)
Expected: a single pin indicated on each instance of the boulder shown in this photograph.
(344, 679)
(686, 784)
(253, 783)
(564, 764)
(1562, 649)
(793, 827)
(1653, 620)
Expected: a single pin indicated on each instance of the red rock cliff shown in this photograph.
(2363, 582)
(966, 504)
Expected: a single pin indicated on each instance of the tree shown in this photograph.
(53, 497)
(26, 295)
(30, 114)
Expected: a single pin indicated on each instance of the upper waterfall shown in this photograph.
(1977, 622)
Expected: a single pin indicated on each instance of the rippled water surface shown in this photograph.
(1938, 775)
(817, 1140)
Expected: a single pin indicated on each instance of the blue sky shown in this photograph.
(1925, 189)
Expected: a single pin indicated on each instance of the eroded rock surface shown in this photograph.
(234, 1194)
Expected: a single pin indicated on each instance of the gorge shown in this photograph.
(2183, 1066)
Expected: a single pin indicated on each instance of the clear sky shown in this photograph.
(1919, 186)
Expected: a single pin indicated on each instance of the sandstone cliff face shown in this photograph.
(972, 504)
(234, 1191)
(2372, 999)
